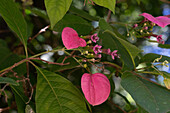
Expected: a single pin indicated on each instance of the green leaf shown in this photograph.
(56, 9)
(150, 96)
(8, 59)
(118, 34)
(104, 25)
(109, 41)
(82, 14)
(126, 50)
(14, 18)
(3, 43)
(132, 49)
(55, 94)
(167, 83)
(75, 22)
(41, 13)
(20, 98)
(138, 1)
(110, 4)
(11, 60)
(8, 80)
(150, 57)
(167, 46)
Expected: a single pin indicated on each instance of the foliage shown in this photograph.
(66, 56)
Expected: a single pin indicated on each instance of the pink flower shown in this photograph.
(106, 51)
(159, 39)
(71, 39)
(114, 54)
(98, 56)
(96, 88)
(94, 38)
(145, 28)
(161, 21)
(97, 49)
(135, 25)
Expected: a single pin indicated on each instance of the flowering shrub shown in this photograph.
(82, 62)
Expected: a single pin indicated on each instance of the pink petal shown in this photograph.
(96, 88)
(149, 17)
(113, 57)
(71, 39)
(115, 51)
(163, 21)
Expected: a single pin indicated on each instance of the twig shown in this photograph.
(112, 64)
(144, 78)
(25, 60)
(30, 39)
(134, 111)
(2, 90)
(41, 31)
(109, 15)
(32, 91)
(4, 31)
(165, 1)
(4, 109)
(49, 62)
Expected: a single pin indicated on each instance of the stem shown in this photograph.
(77, 61)
(46, 52)
(112, 64)
(144, 78)
(26, 51)
(109, 15)
(16, 64)
(28, 60)
(42, 30)
(148, 72)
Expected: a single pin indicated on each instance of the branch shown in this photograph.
(4, 109)
(109, 15)
(27, 60)
(2, 90)
(41, 31)
(165, 1)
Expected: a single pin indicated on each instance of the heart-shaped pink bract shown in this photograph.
(161, 21)
(71, 39)
(96, 88)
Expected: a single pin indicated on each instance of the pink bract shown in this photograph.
(71, 39)
(96, 88)
(161, 21)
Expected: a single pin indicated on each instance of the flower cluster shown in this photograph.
(161, 21)
(96, 87)
(98, 48)
(144, 28)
